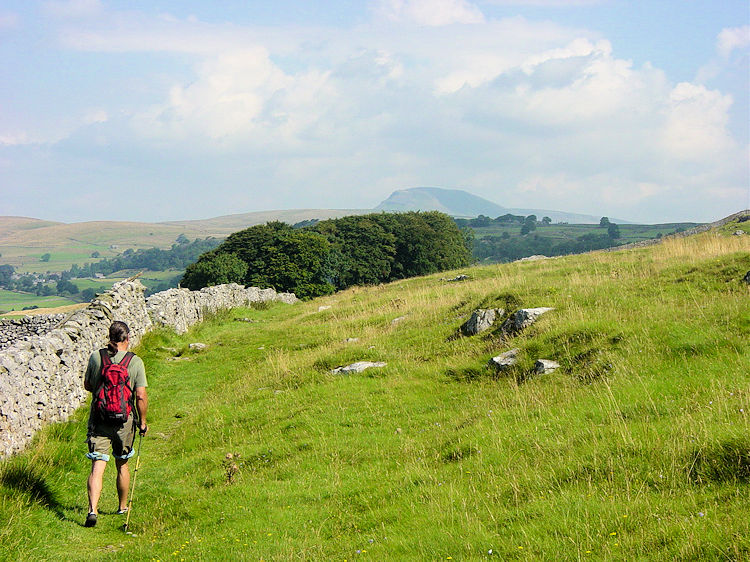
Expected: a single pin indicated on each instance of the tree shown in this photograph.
(65, 286)
(87, 294)
(215, 269)
(182, 239)
(546, 221)
(45, 257)
(6, 274)
(613, 231)
(604, 221)
(95, 254)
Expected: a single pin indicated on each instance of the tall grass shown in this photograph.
(636, 448)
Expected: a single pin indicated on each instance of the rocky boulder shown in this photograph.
(523, 318)
(481, 319)
(505, 360)
(544, 366)
(357, 367)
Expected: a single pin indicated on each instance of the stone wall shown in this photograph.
(41, 372)
(12, 330)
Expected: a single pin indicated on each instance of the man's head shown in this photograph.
(118, 333)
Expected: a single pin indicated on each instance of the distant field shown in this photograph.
(12, 301)
(23, 240)
(628, 232)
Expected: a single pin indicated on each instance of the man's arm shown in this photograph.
(141, 403)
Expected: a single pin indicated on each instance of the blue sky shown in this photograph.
(163, 109)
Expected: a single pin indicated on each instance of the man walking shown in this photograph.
(117, 380)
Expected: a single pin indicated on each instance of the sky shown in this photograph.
(170, 110)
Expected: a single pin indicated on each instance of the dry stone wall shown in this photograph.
(19, 328)
(41, 370)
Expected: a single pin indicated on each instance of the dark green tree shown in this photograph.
(604, 221)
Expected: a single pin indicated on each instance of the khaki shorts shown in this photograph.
(118, 439)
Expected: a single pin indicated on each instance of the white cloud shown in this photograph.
(431, 12)
(530, 114)
(732, 38)
(697, 119)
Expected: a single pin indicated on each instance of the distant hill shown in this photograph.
(454, 202)
(460, 203)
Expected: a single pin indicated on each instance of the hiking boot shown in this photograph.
(90, 520)
(122, 511)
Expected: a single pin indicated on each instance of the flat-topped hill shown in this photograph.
(635, 448)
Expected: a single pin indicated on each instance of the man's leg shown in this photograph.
(95, 484)
(123, 482)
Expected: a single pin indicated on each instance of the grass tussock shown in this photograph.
(635, 448)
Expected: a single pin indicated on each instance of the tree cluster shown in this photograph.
(334, 254)
(505, 248)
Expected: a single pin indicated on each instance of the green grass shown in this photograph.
(12, 300)
(638, 448)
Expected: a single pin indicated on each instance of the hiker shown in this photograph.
(118, 407)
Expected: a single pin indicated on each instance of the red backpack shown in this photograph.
(113, 400)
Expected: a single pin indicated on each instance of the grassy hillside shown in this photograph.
(23, 241)
(637, 448)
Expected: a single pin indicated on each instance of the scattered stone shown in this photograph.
(544, 366)
(351, 340)
(523, 318)
(245, 320)
(357, 367)
(323, 307)
(397, 320)
(461, 277)
(505, 360)
(198, 346)
(481, 319)
(398, 430)
(739, 232)
(534, 258)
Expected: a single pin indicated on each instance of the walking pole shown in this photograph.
(132, 488)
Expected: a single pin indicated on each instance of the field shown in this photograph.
(637, 448)
(11, 300)
(559, 232)
(23, 241)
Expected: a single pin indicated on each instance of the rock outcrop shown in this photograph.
(41, 374)
(357, 367)
(481, 320)
(505, 360)
(523, 318)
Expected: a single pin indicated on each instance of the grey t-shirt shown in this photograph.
(136, 370)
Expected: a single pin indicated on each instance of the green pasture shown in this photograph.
(636, 448)
(559, 232)
(14, 301)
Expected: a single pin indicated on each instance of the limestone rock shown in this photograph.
(523, 318)
(461, 277)
(357, 367)
(481, 320)
(324, 307)
(739, 232)
(544, 366)
(398, 320)
(197, 346)
(505, 360)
